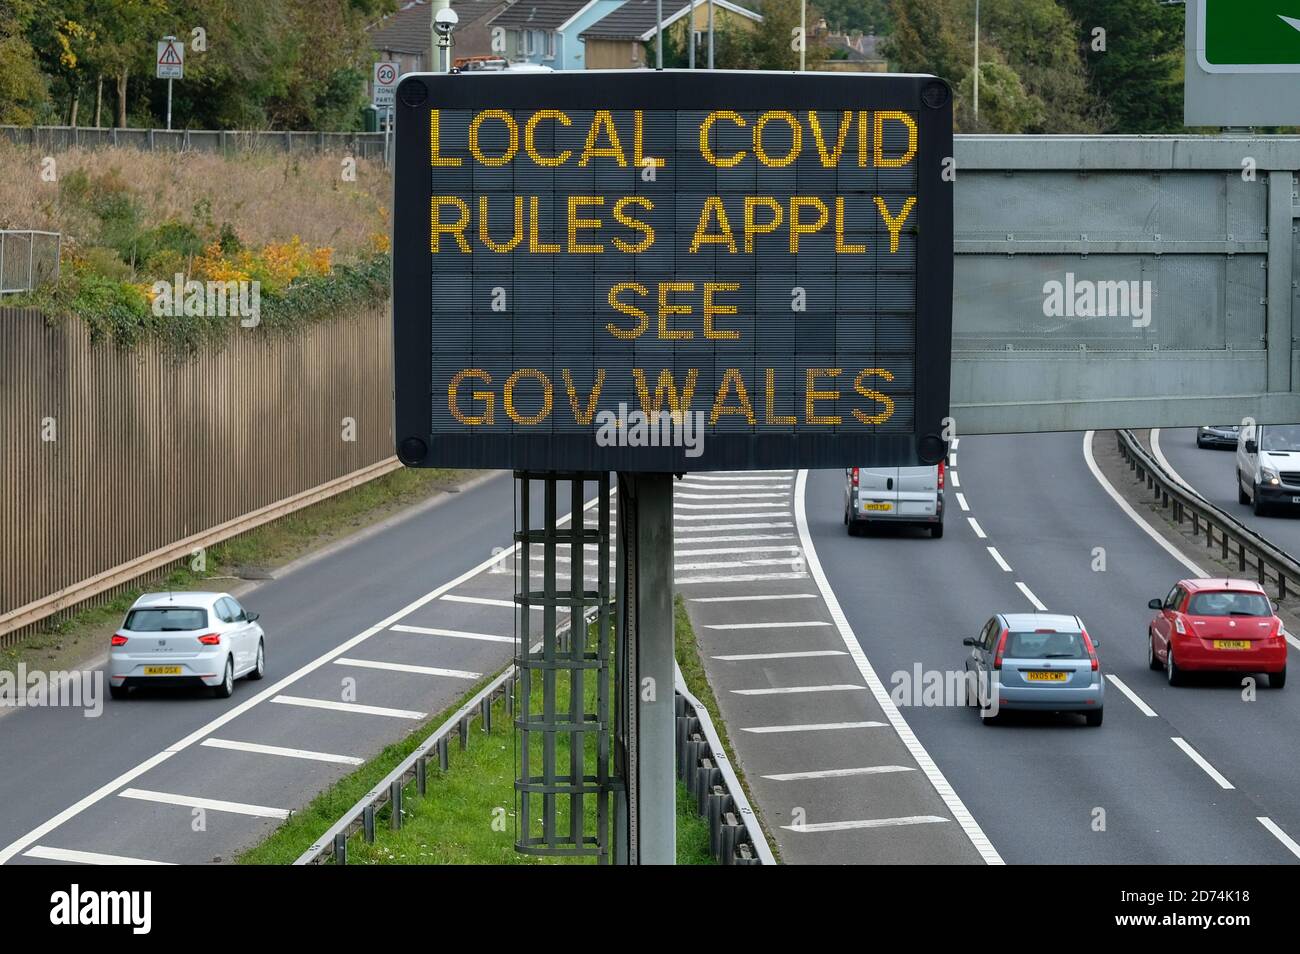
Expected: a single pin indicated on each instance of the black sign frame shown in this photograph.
(928, 97)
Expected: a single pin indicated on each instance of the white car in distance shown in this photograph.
(180, 639)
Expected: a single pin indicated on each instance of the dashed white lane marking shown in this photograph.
(811, 727)
(961, 502)
(1279, 834)
(456, 633)
(1145, 709)
(807, 654)
(979, 531)
(718, 551)
(956, 441)
(731, 516)
(1123, 505)
(742, 599)
(796, 690)
(956, 481)
(207, 804)
(85, 857)
(997, 558)
(731, 496)
(1029, 595)
(407, 667)
(259, 749)
(866, 823)
(1199, 759)
(797, 625)
(740, 578)
(841, 773)
(952, 458)
(734, 526)
(353, 707)
(932, 772)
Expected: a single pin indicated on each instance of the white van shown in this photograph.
(911, 495)
(1268, 465)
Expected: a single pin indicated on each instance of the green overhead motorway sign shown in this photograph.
(1243, 63)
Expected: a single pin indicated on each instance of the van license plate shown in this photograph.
(162, 670)
(877, 506)
(1045, 676)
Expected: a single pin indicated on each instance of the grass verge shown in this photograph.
(71, 641)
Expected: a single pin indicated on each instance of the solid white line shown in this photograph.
(741, 474)
(812, 727)
(961, 502)
(795, 690)
(269, 692)
(1145, 709)
(86, 857)
(721, 489)
(1161, 459)
(798, 625)
(867, 823)
(488, 601)
(979, 532)
(730, 478)
(1199, 759)
(1279, 834)
(260, 749)
(1029, 595)
(740, 578)
(728, 497)
(997, 558)
(208, 804)
(739, 538)
(732, 516)
(455, 633)
(714, 551)
(734, 564)
(735, 526)
(354, 707)
(841, 773)
(721, 506)
(956, 481)
(1123, 504)
(807, 654)
(406, 667)
(941, 784)
(742, 599)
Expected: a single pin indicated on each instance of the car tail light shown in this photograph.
(1178, 625)
(1002, 645)
(941, 475)
(855, 476)
(118, 640)
(1092, 653)
(210, 639)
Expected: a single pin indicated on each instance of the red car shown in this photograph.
(1217, 625)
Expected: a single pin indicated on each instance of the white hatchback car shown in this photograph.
(175, 639)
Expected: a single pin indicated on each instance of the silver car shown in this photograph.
(178, 639)
(1036, 661)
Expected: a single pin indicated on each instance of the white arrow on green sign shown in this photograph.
(1249, 36)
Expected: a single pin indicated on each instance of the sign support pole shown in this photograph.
(646, 816)
(169, 105)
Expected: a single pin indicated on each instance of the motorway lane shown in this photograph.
(1211, 473)
(1035, 785)
(51, 758)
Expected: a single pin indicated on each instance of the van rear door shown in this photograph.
(918, 491)
(878, 492)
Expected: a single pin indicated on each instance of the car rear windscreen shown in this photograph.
(1229, 604)
(164, 619)
(1046, 646)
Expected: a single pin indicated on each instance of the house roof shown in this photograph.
(407, 30)
(637, 19)
(538, 14)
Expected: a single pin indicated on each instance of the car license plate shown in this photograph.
(162, 670)
(1232, 644)
(1045, 676)
(878, 506)
(1295, 499)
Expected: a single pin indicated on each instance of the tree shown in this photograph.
(1136, 63)
(23, 94)
(860, 16)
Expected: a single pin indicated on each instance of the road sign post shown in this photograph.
(1243, 63)
(384, 85)
(170, 66)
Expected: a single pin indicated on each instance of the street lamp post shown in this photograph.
(803, 35)
(977, 62)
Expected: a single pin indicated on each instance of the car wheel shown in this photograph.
(936, 530)
(1153, 661)
(1093, 718)
(990, 719)
(1200, 442)
(855, 529)
(259, 669)
(1172, 672)
(1277, 680)
(227, 686)
(1242, 496)
(1256, 505)
(121, 692)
